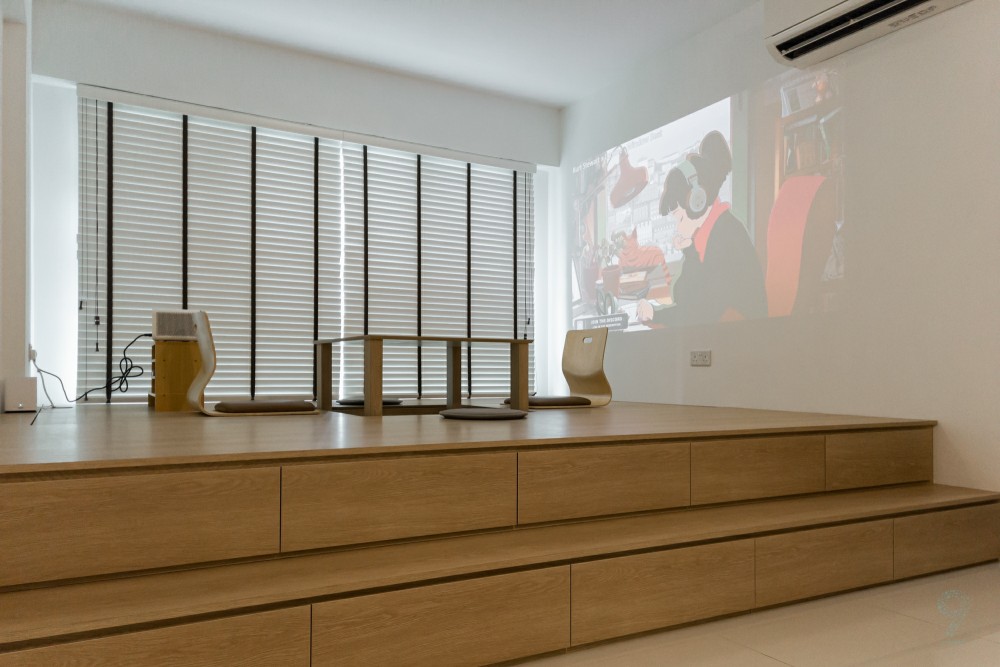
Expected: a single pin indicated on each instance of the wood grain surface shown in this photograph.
(620, 596)
(330, 504)
(808, 563)
(728, 470)
(65, 528)
(52, 612)
(582, 482)
(100, 437)
(268, 639)
(474, 622)
(942, 540)
(873, 458)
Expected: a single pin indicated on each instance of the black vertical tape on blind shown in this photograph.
(110, 246)
(184, 213)
(253, 262)
(514, 208)
(315, 254)
(364, 157)
(420, 283)
(468, 271)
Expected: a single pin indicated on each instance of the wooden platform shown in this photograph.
(135, 538)
(98, 437)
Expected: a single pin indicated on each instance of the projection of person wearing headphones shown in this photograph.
(721, 278)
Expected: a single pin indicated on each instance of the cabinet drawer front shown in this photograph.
(808, 563)
(352, 502)
(593, 481)
(474, 622)
(269, 639)
(99, 525)
(875, 458)
(621, 596)
(941, 540)
(729, 470)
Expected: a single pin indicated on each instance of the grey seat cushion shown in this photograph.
(243, 407)
(555, 401)
(483, 413)
(358, 401)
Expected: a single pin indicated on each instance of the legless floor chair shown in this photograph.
(196, 393)
(583, 368)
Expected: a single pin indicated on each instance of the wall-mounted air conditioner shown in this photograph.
(805, 32)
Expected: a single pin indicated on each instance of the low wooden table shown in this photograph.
(373, 346)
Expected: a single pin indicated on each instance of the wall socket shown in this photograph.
(701, 357)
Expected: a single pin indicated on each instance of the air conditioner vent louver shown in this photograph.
(842, 26)
(854, 21)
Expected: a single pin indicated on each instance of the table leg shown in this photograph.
(454, 374)
(519, 375)
(324, 375)
(373, 377)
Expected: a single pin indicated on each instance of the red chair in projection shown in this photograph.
(631, 181)
(799, 240)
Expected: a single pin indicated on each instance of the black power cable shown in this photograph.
(118, 382)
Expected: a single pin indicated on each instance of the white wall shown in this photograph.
(551, 283)
(55, 209)
(103, 47)
(917, 334)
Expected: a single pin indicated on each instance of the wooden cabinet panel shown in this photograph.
(592, 481)
(352, 502)
(473, 622)
(941, 540)
(807, 563)
(269, 639)
(57, 529)
(874, 458)
(728, 470)
(621, 596)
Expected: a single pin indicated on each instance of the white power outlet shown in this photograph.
(701, 357)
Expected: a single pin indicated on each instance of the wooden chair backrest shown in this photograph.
(206, 346)
(583, 365)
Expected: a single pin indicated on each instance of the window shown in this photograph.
(283, 238)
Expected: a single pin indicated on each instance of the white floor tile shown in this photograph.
(964, 602)
(949, 653)
(992, 634)
(923, 622)
(836, 635)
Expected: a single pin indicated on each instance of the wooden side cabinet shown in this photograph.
(175, 365)
(593, 481)
(473, 622)
(351, 502)
(67, 528)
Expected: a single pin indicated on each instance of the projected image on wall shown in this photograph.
(733, 212)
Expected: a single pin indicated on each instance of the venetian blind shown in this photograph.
(282, 238)
(443, 264)
(392, 263)
(219, 241)
(284, 264)
(147, 235)
(92, 248)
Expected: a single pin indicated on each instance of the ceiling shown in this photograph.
(554, 52)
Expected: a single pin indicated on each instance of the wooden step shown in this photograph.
(193, 515)
(74, 611)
